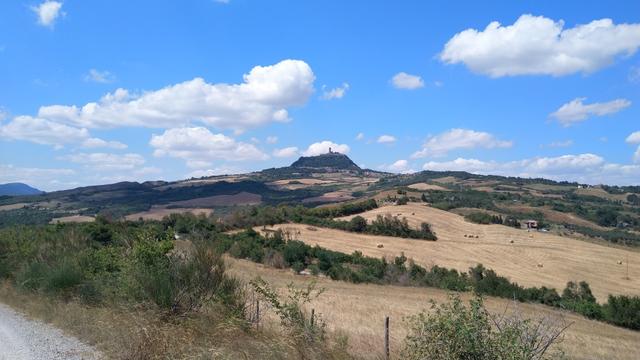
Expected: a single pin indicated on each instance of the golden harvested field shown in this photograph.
(600, 192)
(157, 213)
(358, 310)
(12, 206)
(72, 219)
(562, 259)
(425, 186)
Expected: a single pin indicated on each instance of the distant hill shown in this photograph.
(332, 160)
(14, 189)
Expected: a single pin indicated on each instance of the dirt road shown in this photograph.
(24, 339)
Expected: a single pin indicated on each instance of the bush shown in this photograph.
(454, 331)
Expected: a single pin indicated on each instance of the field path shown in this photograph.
(530, 259)
(24, 339)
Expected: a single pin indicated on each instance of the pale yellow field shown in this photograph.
(358, 310)
(562, 259)
(12, 206)
(72, 219)
(425, 186)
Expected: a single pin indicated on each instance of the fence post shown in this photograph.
(257, 314)
(313, 315)
(386, 337)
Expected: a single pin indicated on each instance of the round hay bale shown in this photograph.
(619, 262)
(380, 246)
(511, 241)
(540, 265)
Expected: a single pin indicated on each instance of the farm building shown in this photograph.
(531, 224)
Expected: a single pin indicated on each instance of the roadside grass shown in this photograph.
(141, 333)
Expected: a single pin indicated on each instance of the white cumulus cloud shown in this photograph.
(263, 97)
(322, 147)
(42, 131)
(335, 93)
(576, 110)
(290, 151)
(272, 139)
(106, 161)
(98, 76)
(402, 80)
(48, 12)
(536, 45)
(584, 168)
(99, 143)
(400, 166)
(456, 139)
(634, 138)
(198, 147)
(386, 139)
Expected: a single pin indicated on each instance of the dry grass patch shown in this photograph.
(425, 187)
(511, 252)
(72, 219)
(358, 311)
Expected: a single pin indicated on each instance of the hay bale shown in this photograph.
(465, 235)
(311, 228)
(619, 262)
(380, 246)
(540, 265)
(511, 241)
(477, 236)
(531, 235)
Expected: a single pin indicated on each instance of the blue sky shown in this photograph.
(103, 91)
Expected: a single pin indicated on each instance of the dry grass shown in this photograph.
(141, 333)
(12, 206)
(358, 310)
(159, 212)
(601, 193)
(425, 186)
(72, 219)
(563, 259)
(334, 196)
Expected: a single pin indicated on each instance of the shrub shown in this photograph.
(455, 331)
(290, 309)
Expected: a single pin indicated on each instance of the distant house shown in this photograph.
(531, 224)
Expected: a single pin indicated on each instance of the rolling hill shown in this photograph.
(15, 189)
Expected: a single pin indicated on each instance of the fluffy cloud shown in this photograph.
(360, 136)
(42, 131)
(272, 139)
(636, 156)
(400, 166)
(263, 97)
(99, 143)
(335, 93)
(46, 132)
(538, 45)
(106, 162)
(583, 168)
(561, 144)
(323, 148)
(576, 111)
(634, 138)
(402, 80)
(455, 139)
(103, 77)
(48, 12)
(386, 139)
(290, 151)
(198, 146)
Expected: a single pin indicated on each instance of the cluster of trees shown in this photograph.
(484, 218)
(324, 217)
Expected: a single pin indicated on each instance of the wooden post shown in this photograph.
(257, 314)
(313, 314)
(386, 337)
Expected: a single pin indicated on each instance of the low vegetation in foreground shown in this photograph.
(172, 271)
